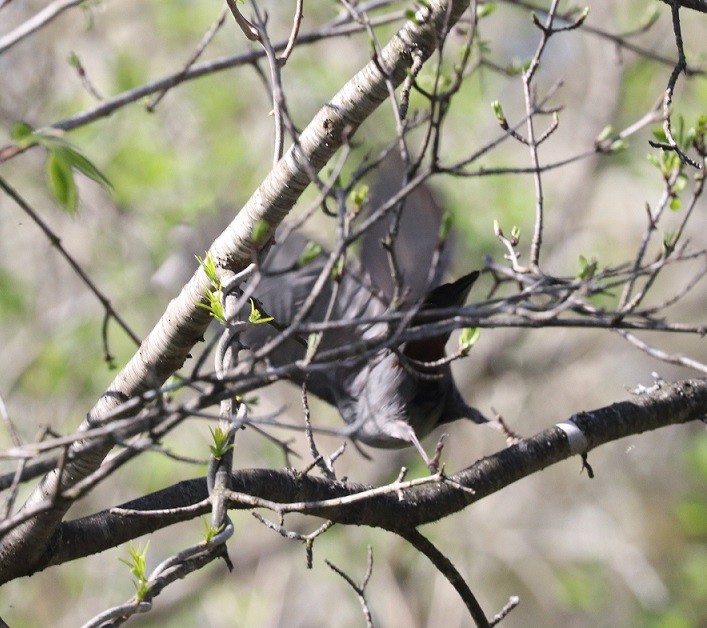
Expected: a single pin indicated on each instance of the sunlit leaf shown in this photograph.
(79, 162)
(260, 231)
(468, 338)
(61, 182)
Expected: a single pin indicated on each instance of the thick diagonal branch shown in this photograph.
(183, 324)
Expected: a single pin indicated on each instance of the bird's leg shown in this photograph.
(432, 463)
(437, 454)
(498, 423)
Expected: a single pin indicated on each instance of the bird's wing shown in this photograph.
(417, 234)
(283, 288)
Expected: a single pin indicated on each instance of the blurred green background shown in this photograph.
(625, 549)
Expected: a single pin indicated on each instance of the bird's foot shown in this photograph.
(498, 423)
(433, 463)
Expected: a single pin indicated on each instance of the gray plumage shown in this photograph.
(384, 403)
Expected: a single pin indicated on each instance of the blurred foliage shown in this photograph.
(13, 298)
(196, 159)
(69, 364)
(583, 588)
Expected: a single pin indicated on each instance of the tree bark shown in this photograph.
(183, 324)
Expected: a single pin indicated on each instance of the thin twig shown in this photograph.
(201, 47)
(296, 23)
(56, 243)
(46, 15)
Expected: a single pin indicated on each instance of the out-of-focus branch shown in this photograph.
(46, 15)
(336, 28)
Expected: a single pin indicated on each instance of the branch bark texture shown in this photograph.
(183, 324)
(399, 512)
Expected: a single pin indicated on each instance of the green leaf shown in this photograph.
(654, 160)
(61, 181)
(214, 306)
(497, 110)
(221, 445)
(62, 160)
(260, 231)
(255, 317)
(484, 10)
(680, 183)
(483, 46)
(582, 17)
(311, 252)
(669, 241)
(211, 532)
(209, 266)
(312, 344)
(21, 132)
(338, 271)
(469, 337)
(587, 268)
(78, 162)
(659, 135)
(359, 196)
(138, 568)
(617, 146)
(137, 562)
(605, 134)
(446, 226)
(73, 60)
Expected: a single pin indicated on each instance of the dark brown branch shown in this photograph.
(667, 404)
(695, 5)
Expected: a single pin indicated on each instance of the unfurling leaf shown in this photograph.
(260, 231)
(468, 338)
(61, 182)
(23, 134)
(256, 317)
(498, 113)
(221, 445)
(587, 268)
(312, 344)
(208, 264)
(311, 252)
(359, 196)
(605, 134)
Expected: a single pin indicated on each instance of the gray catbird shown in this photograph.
(386, 399)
